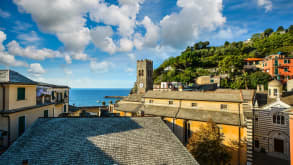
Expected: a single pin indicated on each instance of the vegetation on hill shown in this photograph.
(203, 59)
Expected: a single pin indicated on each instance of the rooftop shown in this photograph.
(10, 76)
(253, 59)
(98, 141)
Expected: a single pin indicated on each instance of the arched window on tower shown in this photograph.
(278, 119)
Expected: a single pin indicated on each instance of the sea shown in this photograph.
(95, 96)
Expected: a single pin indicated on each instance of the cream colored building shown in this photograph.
(23, 101)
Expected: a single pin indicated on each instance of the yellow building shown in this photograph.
(23, 101)
(184, 112)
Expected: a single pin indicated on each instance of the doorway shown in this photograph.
(279, 145)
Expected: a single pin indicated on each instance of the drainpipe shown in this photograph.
(8, 117)
(239, 134)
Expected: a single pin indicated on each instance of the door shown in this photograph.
(46, 113)
(279, 145)
(21, 125)
(64, 108)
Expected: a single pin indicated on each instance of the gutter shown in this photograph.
(8, 117)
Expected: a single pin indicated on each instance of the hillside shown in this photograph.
(202, 59)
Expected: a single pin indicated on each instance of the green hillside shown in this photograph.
(198, 59)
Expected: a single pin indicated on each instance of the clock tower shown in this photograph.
(144, 76)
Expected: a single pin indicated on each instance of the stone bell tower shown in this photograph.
(144, 76)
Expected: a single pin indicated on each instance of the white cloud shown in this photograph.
(129, 70)
(100, 67)
(267, 4)
(229, 33)
(152, 34)
(32, 52)
(123, 16)
(80, 56)
(36, 69)
(101, 37)
(125, 45)
(178, 29)
(68, 59)
(131, 56)
(64, 18)
(67, 72)
(4, 14)
(2, 38)
(9, 60)
(29, 38)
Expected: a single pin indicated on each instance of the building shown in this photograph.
(253, 64)
(144, 80)
(167, 86)
(271, 123)
(23, 101)
(279, 67)
(205, 80)
(186, 111)
(98, 141)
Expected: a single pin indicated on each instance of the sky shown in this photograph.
(95, 43)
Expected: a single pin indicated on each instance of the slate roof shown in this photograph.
(166, 111)
(52, 85)
(204, 115)
(10, 76)
(98, 141)
(195, 95)
(129, 107)
(133, 98)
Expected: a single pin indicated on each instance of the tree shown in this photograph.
(268, 32)
(280, 28)
(103, 103)
(206, 145)
(290, 29)
(226, 44)
(110, 102)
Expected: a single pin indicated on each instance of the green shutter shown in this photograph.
(20, 93)
(276, 71)
(46, 113)
(21, 125)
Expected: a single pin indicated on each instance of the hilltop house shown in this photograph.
(23, 101)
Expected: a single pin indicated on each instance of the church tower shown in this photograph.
(144, 76)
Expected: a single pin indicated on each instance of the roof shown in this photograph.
(52, 85)
(24, 108)
(253, 59)
(166, 111)
(220, 117)
(133, 97)
(98, 141)
(10, 77)
(224, 96)
(275, 83)
(128, 107)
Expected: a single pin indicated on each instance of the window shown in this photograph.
(224, 106)
(20, 93)
(256, 144)
(270, 92)
(278, 119)
(194, 104)
(46, 113)
(212, 80)
(64, 109)
(275, 92)
(151, 101)
(285, 69)
(256, 118)
(288, 61)
(170, 102)
(257, 62)
(52, 94)
(276, 71)
(285, 61)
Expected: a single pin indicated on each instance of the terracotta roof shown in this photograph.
(121, 140)
(254, 59)
(224, 96)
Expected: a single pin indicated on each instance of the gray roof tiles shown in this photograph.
(98, 141)
(10, 76)
(195, 95)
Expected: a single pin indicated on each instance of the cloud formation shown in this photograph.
(267, 4)
(2, 38)
(100, 67)
(9, 60)
(36, 69)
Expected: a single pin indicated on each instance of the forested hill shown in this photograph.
(198, 59)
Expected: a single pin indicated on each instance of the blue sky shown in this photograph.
(95, 43)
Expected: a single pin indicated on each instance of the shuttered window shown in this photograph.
(20, 93)
(46, 113)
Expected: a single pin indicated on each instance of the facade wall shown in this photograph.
(30, 117)
(265, 131)
(59, 108)
(1, 98)
(11, 96)
(291, 137)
